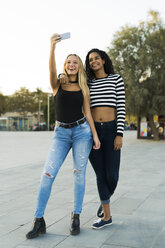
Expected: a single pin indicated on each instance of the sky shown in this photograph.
(27, 25)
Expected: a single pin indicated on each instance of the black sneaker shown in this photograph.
(100, 213)
(102, 223)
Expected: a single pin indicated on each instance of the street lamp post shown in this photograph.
(48, 111)
(39, 110)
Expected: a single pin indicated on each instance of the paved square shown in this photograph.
(137, 205)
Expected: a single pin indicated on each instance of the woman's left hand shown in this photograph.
(118, 143)
(96, 145)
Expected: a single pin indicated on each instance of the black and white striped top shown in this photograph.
(109, 92)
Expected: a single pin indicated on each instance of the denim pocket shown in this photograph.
(84, 125)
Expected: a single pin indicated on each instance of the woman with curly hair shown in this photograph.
(107, 99)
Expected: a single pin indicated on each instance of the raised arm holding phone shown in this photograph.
(74, 128)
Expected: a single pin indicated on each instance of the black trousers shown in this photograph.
(106, 161)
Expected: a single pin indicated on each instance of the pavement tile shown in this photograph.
(160, 241)
(86, 238)
(45, 241)
(134, 233)
(115, 246)
(126, 205)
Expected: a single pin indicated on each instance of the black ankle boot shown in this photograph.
(39, 227)
(75, 224)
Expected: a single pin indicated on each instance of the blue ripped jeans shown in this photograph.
(78, 138)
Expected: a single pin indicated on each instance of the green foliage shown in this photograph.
(21, 101)
(51, 111)
(24, 101)
(137, 53)
(39, 95)
(2, 104)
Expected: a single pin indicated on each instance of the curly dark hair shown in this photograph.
(108, 66)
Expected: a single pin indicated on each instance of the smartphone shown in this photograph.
(65, 36)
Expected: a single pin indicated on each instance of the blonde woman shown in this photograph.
(74, 129)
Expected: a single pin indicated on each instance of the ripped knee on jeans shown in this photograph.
(77, 171)
(48, 175)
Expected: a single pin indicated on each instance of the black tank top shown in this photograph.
(68, 105)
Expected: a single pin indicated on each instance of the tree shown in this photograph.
(52, 112)
(39, 95)
(21, 101)
(24, 101)
(138, 54)
(2, 104)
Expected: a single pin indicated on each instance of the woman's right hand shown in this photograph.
(97, 143)
(55, 38)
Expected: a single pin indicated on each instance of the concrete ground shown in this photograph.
(138, 205)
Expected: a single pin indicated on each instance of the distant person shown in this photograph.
(107, 97)
(74, 129)
(15, 126)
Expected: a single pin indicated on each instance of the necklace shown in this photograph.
(73, 82)
(70, 82)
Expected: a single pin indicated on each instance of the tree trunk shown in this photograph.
(138, 127)
(153, 128)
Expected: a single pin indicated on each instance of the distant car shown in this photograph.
(35, 127)
(43, 127)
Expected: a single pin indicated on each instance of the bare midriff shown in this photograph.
(103, 114)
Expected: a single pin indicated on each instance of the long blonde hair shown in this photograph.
(82, 78)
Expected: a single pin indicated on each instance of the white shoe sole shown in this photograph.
(108, 224)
